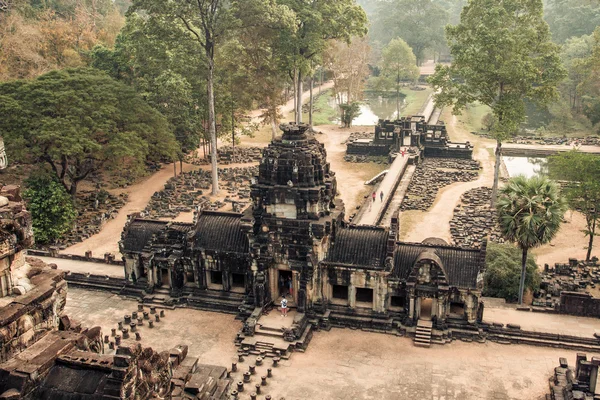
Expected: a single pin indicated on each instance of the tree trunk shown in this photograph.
(174, 168)
(591, 241)
(299, 100)
(295, 97)
(398, 96)
(212, 126)
(273, 129)
(496, 173)
(310, 106)
(523, 274)
(73, 189)
(232, 129)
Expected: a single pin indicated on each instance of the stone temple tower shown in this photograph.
(294, 213)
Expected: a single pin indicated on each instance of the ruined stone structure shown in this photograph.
(582, 383)
(44, 355)
(295, 236)
(430, 140)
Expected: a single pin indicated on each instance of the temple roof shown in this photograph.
(139, 233)
(359, 245)
(220, 231)
(66, 382)
(462, 265)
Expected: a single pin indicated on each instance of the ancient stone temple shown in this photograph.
(294, 240)
(45, 355)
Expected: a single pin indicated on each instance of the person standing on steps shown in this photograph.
(381, 196)
(284, 307)
(373, 197)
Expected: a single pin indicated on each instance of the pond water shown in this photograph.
(373, 108)
(528, 166)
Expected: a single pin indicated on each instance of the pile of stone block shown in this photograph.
(432, 175)
(474, 219)
(94, 209)
(189, 192)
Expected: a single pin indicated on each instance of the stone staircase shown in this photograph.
(423, 333)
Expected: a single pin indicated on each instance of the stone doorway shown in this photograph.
(164, 277)
(285, 283)
(426, 306)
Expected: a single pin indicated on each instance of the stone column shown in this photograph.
(351, 296)
(411, 306)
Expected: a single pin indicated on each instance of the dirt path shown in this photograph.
(415, 226)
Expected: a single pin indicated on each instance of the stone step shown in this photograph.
(260, 332)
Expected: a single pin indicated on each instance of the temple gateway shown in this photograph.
(294, 240)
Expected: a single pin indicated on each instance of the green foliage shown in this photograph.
(572, 18)
(582, 172)
(51, 208)
(530, 211)
(503, 272)
(418, 22)
(488, 121)
(349, 112)
(398, 62)
(502, 55)
(79, 121)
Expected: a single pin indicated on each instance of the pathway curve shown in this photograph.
(436, 222)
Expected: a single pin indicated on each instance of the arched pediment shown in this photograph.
(429, 270)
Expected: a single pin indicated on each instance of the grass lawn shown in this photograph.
(415, 100)
(323, 113)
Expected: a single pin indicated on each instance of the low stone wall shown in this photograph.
(109, 258)
(581, 304)
(449, 152)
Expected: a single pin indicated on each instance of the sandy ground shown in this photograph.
(344, 364)
(209, 335)
(84, 267)
(351, 177)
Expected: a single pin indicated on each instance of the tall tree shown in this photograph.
(79, 121)
(205, 23)
(530, 212)
(502, 56)
(398, 64)
(317, 22)
(582, 172)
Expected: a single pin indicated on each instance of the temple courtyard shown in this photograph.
(344, 363)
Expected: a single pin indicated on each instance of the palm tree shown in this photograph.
(530, 211)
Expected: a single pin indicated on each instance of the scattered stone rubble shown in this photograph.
(187, 192)
(359, 135)
(587, 141)
(474, 219)
(581, 383)
(433, 174)
(365, 159)
(94, 209)
(229, 155)
(567, 288)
